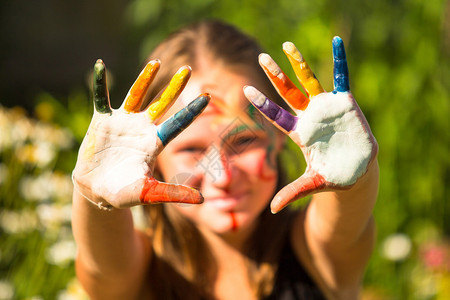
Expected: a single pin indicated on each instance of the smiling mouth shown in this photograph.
(227, 202)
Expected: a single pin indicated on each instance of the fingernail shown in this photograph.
(254, 96)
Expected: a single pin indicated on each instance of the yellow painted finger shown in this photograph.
(304, 74)
(137, 93)
(161, 104)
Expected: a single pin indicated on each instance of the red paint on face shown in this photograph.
(213, 108)
(234, 225)
(261, 173)
(289, 91)
(226, 168)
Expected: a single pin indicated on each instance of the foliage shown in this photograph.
(398, 53)
(37, 247)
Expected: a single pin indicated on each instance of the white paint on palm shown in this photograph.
(121, 150)
(335, 140)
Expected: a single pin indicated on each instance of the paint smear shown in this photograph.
(304, 74)
(281, 117)
(155, 191)
(284, 85)
(178, 122)
(89, 150)
(160, 105)
(331, 128)
(140, 87)
(100, 88)
(234, 225)
(261, 173)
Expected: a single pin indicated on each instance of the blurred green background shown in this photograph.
(399, 61)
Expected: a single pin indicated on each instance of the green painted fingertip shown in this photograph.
(100, 89)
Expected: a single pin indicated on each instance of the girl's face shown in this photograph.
(228, 153)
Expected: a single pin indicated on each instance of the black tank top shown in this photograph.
(292, 282)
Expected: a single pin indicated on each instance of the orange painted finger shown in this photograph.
(162, 103)
(285, 87)
(136, 94)
(155, 191)
(304, 73)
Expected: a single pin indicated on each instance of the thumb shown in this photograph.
(310, 182)
(154, 191)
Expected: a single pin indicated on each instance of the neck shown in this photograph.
(231, 241)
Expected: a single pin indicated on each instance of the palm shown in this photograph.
(117, 153)
(116, 158)
(329, 128)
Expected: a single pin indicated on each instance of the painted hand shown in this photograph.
(116, 158)
(330, 129)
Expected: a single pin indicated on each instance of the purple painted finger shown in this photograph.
(281, 117)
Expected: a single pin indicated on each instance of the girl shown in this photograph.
(227, 233)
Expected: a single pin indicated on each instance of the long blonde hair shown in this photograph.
(183, 266)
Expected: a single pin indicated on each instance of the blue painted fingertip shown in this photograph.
(170, 128)
(340, 70)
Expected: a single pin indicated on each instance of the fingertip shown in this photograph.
(195, 197)
(154, 64)
(199, 104)
(292, 51)
(170, 128)
(185, 69)
(206, 96)
(183, 74)
(249, 91)
(288, 46)
(337, 39)
(99, 67)
(255, 96)
(264, 58)
(155, 61)
(338, 47)
(267, 62)
(201, 198)
(275, 205)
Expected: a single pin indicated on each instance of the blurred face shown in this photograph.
(228, 153)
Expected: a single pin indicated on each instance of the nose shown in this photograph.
(217, 168)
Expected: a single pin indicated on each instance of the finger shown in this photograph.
(286, 89)
(160, 105)
(340, 70)
(136, 95)
(304, 74)
(305, 185)
(100, 89)
(178, 122)
(277, 115)
(155, 191)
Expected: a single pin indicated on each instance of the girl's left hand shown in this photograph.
(330, 128)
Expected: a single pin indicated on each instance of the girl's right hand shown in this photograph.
(117, 156)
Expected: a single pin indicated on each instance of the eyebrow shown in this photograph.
(239, 129)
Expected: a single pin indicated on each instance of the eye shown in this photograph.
(244, 140)
(192, 149)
